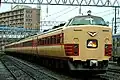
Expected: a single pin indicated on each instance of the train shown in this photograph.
(84, 43)
(116, 48)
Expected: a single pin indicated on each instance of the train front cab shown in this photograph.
(92, 47)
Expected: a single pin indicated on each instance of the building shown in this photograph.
(21, 16)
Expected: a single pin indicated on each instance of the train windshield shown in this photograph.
(89, 20)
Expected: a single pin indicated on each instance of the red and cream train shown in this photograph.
(83, 43)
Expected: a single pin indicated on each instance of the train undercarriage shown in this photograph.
(66, 64)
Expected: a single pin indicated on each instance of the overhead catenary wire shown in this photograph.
(57, 12)
(65, 13)
(103, 11)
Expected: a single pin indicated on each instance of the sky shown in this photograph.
(63, 13)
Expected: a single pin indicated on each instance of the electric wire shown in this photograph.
(58, 12)
(65, 13)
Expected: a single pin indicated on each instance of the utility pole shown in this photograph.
(112, 25)
(115, 27)
(80, 10)
(40, 17)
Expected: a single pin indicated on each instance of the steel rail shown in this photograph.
(8, 69)
(18, 68)
(36, 69)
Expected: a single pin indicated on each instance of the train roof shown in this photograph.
(80, 16)
(10, 44)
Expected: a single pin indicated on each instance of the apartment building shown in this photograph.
(21, 16)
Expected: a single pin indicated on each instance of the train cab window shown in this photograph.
(87, 20)
(69, 22)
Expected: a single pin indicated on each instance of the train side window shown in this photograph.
(55, 39)
(113, 42)
(41, 41)
(47, 40)
(50, 39)
(21, 44)
(58, 38)
(44, 41)
(118, 42)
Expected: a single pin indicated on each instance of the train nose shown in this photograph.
(93, 63)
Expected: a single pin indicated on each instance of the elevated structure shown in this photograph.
(11, 34)
(100, 3)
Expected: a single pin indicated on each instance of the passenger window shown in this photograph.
(54, 39)
(42, 42)
(118, 42)
(58, 39)
(51, 40)
(113, 42)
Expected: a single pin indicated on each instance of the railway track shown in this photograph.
(22, 71)
(59, 75)
(4, 73)
(113, 72)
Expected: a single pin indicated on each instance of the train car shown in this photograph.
(84, 43)
(116, 48)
